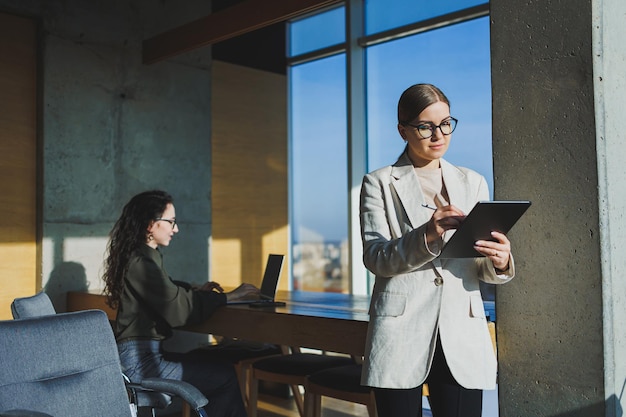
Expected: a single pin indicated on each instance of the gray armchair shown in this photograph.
(39, 317)
(64, 365)
(34, 306)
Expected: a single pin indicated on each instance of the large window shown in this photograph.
(318, 172)
(400, 43)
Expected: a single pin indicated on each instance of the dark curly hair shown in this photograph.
(416, 98)
(128, 233)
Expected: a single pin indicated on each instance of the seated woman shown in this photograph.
(149, 303)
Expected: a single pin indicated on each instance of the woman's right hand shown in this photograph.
(444, 218)
(243, 292)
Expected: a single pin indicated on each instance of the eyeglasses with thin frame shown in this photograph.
(170, 221)
(427, 129)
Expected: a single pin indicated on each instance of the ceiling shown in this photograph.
(262, 49)
(243, 32)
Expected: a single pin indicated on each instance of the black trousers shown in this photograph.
(446, 397)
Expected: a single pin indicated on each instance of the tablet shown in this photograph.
(485, 217)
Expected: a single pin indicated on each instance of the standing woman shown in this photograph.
(149, 303)
(427, 320)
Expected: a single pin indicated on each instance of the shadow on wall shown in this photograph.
(67, 276)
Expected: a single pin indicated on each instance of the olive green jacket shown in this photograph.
(152, 303)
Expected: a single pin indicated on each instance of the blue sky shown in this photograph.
(455, 58)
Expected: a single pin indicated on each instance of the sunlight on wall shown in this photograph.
(226, 262)
(47, 259)
(10, 251)
(232, 263)
(71, 264)
(17, 278)
(90, 253)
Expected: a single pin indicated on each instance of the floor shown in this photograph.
(271, 406)
(331, 408)
(276, 407)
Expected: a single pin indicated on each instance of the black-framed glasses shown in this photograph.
(427, 129)
(170, 221)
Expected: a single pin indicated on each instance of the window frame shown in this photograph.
(355, 46)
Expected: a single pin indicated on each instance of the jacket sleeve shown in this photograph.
(173, 303)
(384, 254)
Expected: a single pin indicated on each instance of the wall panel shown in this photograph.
(249, 172)
(18, 160)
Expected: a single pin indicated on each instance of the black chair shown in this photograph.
(291, 369)
(68, 365)
(343, 383)
(147, 396)
(242, 354)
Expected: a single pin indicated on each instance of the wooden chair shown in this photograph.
(291, 369)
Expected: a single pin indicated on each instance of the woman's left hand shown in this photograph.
(210, 286)
(499, 251)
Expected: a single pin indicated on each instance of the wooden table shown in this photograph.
(326, 321)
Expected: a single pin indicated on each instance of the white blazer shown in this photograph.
(417, 295)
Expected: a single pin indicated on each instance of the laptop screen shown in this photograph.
(271, 276)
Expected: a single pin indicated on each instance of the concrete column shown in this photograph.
(609, 53)
(558, 72)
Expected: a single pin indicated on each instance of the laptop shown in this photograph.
(268, 285)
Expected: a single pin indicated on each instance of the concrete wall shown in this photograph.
(558, 332)
(113, 127)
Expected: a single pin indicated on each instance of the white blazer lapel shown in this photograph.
(456, 187)
(456, 184)
(409, 191)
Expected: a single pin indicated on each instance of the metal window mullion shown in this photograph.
(357, 146)
(290, 182)
(449, 19)
(317, 54)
